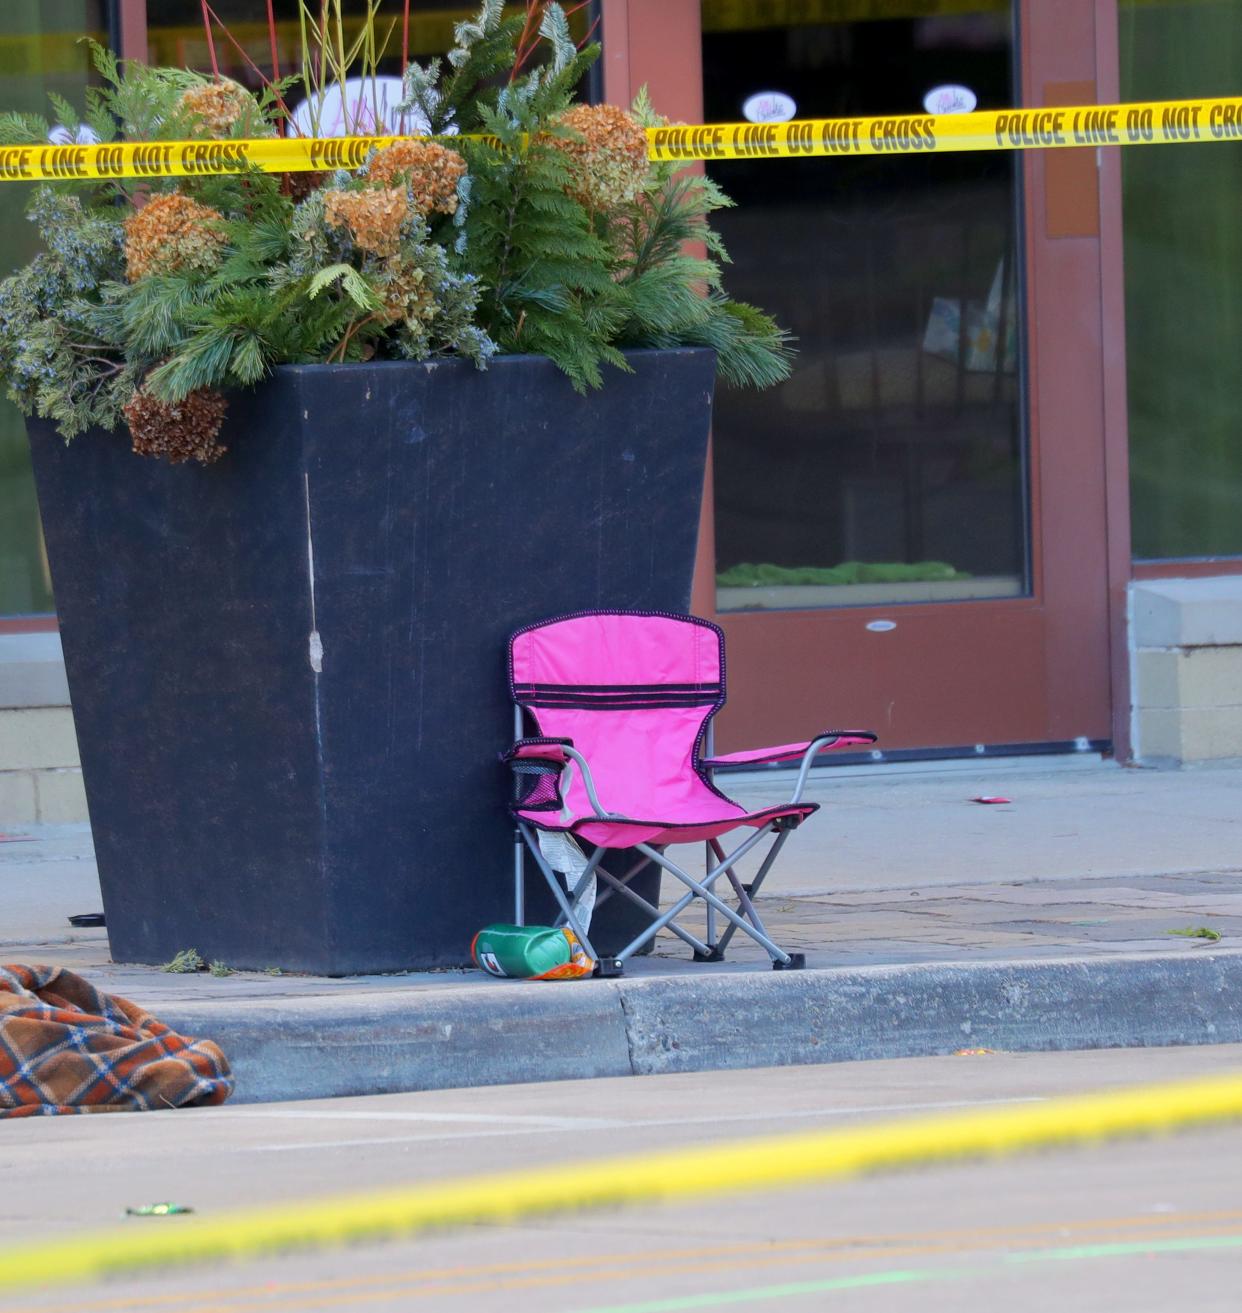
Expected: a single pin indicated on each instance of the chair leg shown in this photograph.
(592, 868)
(519, 878)
(746, 893)
(703, 890)
(669, 918)
(558, 893)
(606, 893)
(716, 954)
(659, 919)
(748, 920)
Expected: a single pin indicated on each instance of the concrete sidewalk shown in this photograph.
(930, 923)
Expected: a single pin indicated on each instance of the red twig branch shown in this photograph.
(528, 42)
(254, 68)
(274, 46)
(271, 39)
(529, 39)
(405, 37)
(211, 41)
(590, 32)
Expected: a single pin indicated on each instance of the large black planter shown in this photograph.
(287, 669)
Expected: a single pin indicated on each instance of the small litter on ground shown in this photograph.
(158, 1210)
(992, 801)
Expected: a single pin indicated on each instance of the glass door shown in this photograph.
(889, 468)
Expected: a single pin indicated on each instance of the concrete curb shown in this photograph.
(310, 1048)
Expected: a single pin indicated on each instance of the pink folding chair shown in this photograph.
(612, 717)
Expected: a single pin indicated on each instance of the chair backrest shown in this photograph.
(633, 690)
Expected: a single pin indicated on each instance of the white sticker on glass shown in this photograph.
(950, 99)
(769, 107)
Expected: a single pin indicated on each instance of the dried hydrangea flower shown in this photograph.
(298, 186)
(373, 217)
(177, 431)
(431, 171)
(172, 232)
(222, 106)
(405, 294)
(608, 161)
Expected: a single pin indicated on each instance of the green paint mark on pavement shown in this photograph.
(910, 1276)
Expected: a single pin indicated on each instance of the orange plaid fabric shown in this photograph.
(66, 1046)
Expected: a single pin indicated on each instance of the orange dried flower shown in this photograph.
(373, 217)
(431, 171)
(222, 106)
(406, 295)
(178, 431)
(609, 161)
(172, 232)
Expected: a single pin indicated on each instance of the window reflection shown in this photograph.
(1183, 248)
(41, 50)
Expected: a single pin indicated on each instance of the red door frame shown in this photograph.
(1062, 652)
(1116, 414)
(133, 29)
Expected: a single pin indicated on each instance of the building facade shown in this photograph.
(998, 506)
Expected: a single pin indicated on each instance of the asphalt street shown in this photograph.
(1138, 1224)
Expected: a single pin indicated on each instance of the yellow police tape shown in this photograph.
(1154, 123)
(756, 1164)
(1157, 122)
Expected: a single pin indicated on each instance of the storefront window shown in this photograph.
(1183, 261)
(243, 41)
(176, 35)
(40, 51)
(889, 468)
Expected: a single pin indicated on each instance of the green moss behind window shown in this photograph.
(40, 51)
(1183, 261)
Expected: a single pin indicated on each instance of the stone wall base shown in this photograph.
(1186, 654)
(40, 778)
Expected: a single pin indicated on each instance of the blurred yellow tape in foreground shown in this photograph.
(757, 1164)
(1156, 123)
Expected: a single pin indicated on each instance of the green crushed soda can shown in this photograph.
(530, 952)
(158, 1210)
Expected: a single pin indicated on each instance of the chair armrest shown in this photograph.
(557, 755)
(833, 738)
(830, 739)
(536, 749)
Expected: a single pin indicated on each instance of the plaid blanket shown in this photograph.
(67, 1047)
